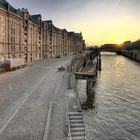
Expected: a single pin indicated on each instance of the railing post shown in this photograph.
(99, 62)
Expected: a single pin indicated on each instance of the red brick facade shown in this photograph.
(28, 37)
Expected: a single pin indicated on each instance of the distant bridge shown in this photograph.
(108, 49)
(105, 48)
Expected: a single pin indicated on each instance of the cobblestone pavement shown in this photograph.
(25, 99)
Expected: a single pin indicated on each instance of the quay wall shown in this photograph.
(76, 64)
(132, 54)
(79, 63)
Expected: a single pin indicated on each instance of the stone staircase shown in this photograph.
(76, 126)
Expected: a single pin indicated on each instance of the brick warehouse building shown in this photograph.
(26, 36)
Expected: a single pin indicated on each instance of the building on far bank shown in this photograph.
(27, 36)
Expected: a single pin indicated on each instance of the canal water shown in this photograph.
(114, 113)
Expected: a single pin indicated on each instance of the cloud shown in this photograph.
(92, 17)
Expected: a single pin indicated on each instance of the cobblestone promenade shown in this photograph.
(33, 102)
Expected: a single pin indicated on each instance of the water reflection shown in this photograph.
(113, 108)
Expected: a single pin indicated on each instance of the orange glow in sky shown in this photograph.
(100, 21)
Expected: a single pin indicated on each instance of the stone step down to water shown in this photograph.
(77, 127)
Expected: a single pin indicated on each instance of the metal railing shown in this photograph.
(68, 121)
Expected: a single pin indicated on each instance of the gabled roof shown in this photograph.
(23, 11)
(58, 30)
(5, 5)
(49, 22)
(36, 18)
(20, 12)
(2, 4)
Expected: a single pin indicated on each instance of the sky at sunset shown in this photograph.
(100, 21)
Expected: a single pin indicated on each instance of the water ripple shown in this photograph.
(116, 115)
